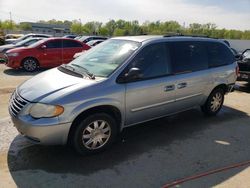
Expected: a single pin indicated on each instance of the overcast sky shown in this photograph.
(230, 14)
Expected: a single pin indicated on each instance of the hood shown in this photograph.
(10, 41)
(19, 49)
(48, 83)
(6, 46)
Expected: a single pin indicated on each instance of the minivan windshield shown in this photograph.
(103, 59)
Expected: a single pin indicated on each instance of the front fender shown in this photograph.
(77, 110)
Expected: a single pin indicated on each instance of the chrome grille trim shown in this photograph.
(16, 103)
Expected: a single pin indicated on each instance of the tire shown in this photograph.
(30, 64)
(94, 134)
(214, 102)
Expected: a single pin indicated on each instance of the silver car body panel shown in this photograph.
(137, 101)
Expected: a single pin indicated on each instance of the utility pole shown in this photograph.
(10, 20)
(10, 17)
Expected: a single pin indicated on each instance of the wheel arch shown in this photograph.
(38, 64)
(108, 109)
(224, 87)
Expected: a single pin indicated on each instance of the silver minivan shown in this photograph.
(122, 82)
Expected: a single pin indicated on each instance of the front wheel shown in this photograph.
(94, 134)
(30, 64)
(214, 102)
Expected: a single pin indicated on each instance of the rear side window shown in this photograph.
(219, 54)
(189, 57)
(71, 44)
(153, 61)
(54, 44)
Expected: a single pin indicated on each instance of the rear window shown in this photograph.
(188, 57)
(54, 44)
(219, 54)
(71, 44)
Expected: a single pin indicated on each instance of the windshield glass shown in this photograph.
(246, 54)
(106, 57)
(22, 38)
(83, 38)
(26, 41)
(37, 43)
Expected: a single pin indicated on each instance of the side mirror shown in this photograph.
(43, 47)
(132, 75)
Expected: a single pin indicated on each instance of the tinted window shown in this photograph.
(54, 44)
(219, 54)
(153, 61)
(71, 44)
(188, 57)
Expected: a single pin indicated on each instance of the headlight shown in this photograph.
(12, 54)
(40, 110)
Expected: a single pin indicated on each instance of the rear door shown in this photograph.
(190, 66)
(70, 48)
(52, 54)
(153, 94)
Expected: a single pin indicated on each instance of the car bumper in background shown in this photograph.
(244, 76)
(3, 58)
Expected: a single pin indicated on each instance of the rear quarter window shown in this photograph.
(219, 54)
(189, 56)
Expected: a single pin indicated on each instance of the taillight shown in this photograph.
(237, 70)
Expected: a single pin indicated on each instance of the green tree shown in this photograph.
(25, 26)
(8, 25)
(110, 26)
(76, 27)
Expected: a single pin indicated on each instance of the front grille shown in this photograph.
(16, 103)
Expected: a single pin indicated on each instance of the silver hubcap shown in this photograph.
(29, 65)
(96, 134)
(216, 102)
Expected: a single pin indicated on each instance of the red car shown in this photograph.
(46, 53)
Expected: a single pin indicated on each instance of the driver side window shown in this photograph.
(153, 61)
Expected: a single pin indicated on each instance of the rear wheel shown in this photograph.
(94, 134)
(30, 64)
(214, 102)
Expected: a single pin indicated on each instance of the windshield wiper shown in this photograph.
(71, 69)
(90, 75)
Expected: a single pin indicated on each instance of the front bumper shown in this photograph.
(3, 58)
(45, 131)
(12, 62)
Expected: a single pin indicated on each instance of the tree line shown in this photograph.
(126, 28)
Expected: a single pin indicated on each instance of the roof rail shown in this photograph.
(185, 35)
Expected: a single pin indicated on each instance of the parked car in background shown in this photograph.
(78, 37)
(23, 43)
(78, 54)
(31, 35)
(13, 36)
(93, 43)
(244, 66)
(119, 83)
(70, 36)
(47, 53)
(86, 39)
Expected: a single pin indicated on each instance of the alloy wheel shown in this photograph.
(96, 134)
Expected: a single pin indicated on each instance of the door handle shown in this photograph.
(181, 85)
(169, 88)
